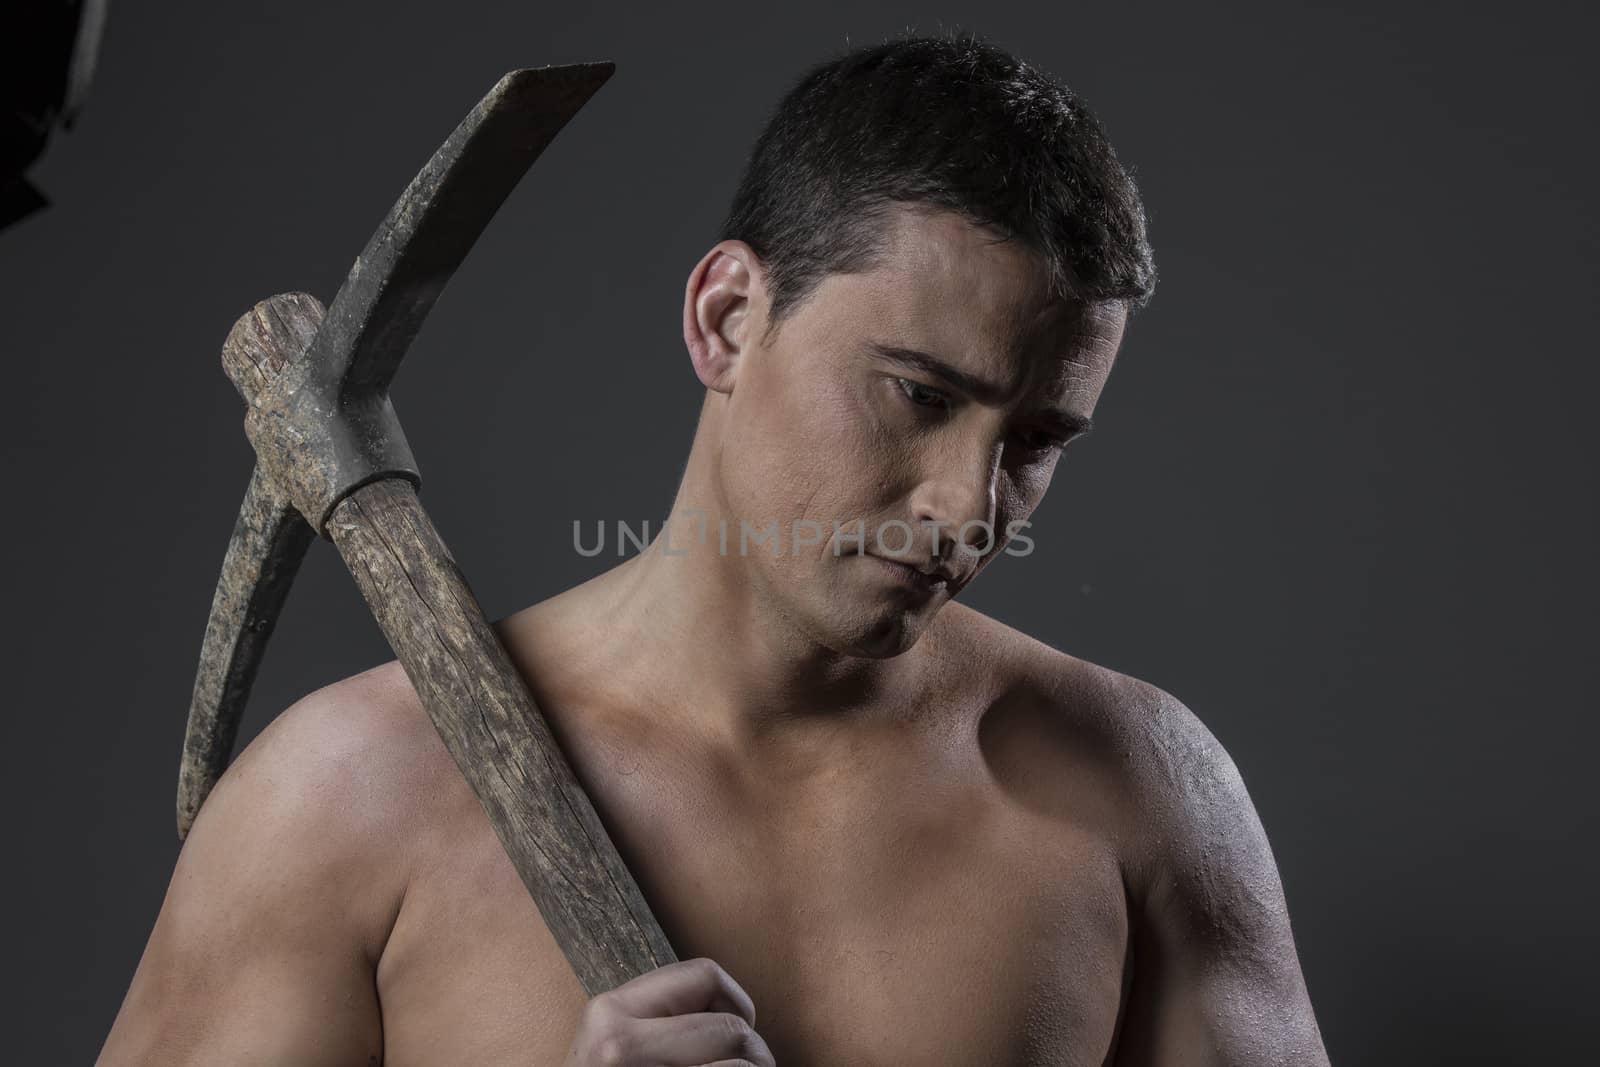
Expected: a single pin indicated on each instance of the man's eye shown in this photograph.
(1041, 441)
(921, 395)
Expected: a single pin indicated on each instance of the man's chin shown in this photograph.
(887, 633)
(852, 621)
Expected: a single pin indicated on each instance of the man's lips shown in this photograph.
(909, 576)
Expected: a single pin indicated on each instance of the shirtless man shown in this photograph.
(880, 828)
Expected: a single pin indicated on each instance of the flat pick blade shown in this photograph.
(438, 219)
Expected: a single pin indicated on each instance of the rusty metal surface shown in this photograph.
(334, 404)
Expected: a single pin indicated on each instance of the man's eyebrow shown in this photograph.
(1068, 423)
(982, 391)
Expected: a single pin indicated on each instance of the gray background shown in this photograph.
(1340, 501)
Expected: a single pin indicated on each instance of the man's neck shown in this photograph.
(684, 624)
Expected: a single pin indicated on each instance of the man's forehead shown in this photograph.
(939, 272)
(1073, 329)
(940, 250)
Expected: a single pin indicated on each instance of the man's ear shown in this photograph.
(724, 298)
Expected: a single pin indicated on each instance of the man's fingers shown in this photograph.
(697, 985)
(697, 1038)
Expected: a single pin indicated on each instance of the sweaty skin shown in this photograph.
(912, 834)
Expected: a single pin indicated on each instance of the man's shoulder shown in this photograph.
(1154, 757)
(343, 784)
(365, 732)
(1193, 837)
(1209, 923)
(1076, 690)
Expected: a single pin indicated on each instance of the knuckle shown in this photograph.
(612, 1050)
(708, 968)
(742, 1040)
(599, 1010)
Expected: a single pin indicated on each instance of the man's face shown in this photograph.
(845, 419)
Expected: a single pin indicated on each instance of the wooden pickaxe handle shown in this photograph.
(498, 737)
(478, 702)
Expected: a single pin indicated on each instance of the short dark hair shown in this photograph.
(952, 122)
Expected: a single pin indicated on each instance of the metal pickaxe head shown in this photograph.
(317, 386)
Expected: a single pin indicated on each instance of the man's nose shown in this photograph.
(958, 494)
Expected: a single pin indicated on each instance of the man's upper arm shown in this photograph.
(265, 947)
(1216, 977)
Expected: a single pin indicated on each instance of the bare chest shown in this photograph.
(898, 922)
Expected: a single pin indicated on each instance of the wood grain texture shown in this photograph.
(264, 554)
(269, 541)
(498, 737)
(267, 338)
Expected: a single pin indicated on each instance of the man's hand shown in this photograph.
(686, 1014)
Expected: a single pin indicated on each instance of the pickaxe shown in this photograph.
(331, 460)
